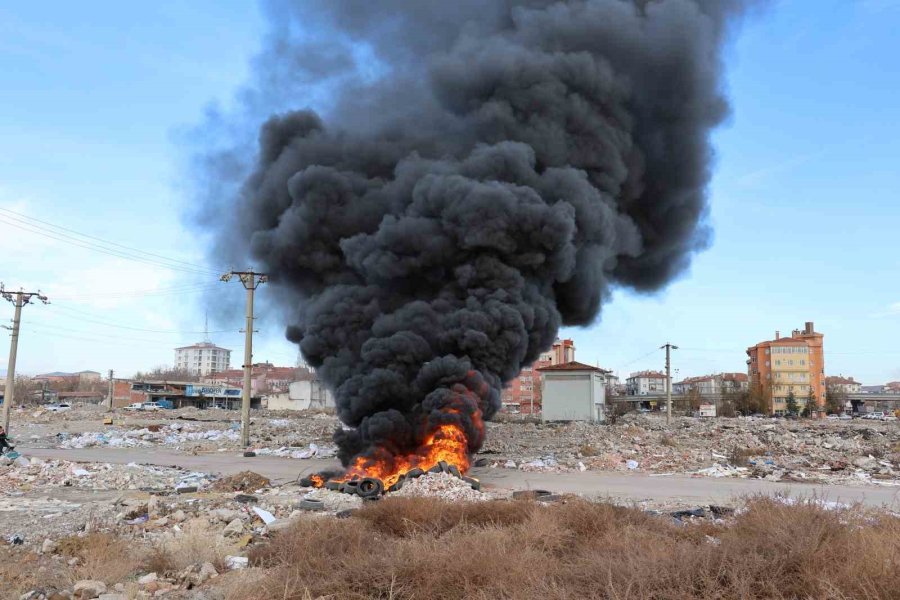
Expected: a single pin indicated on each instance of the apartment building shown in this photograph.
(202, 359)
(645, 383)
(789, 364)
(712, 385)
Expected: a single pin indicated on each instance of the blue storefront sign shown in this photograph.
(212, 391)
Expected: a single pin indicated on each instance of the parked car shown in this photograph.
(833, 417)
(888, 418)
(877, 416)
(846, 417)
(62, 406)
(151, 406)
(134, 406)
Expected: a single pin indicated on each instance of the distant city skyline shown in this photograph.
(101, 110)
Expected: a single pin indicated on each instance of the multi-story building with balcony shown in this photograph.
(789, 364)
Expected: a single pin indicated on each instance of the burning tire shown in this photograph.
(413, 473)
(335, 486)
(370, 488)
(350, 487)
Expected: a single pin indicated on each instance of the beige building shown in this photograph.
(788, 365)
(843, 384)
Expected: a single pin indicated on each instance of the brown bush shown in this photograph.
(416, 548)
(740, 457)
(588, 450)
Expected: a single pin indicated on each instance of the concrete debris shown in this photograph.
(237, 562)
(96, 476)
(334, 501)
(88, 589)
(441, 485)
(816, 451)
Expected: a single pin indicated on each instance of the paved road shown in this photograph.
(671, 489)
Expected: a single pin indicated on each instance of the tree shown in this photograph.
(835, 400)
(791, 403)
(759, 399)
(810, 407)
(166, 374)
(23, 391)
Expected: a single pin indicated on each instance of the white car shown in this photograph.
(134, 406)
(62, 406)
(833, 417)
(888, 418)
(151, 406)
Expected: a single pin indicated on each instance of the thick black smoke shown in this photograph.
(510, 165)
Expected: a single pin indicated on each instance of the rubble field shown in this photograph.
(815, 451)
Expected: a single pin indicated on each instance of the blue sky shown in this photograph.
(97, 101)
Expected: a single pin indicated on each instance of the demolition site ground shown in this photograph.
(165, 504)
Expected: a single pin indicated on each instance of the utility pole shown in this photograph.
(669, 347)
(109, 406)
(250, 280)
(20, 299)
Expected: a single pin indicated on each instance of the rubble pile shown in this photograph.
(773, 449)
(25, 474)
(441, 485)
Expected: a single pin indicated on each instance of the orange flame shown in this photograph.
(447, 443)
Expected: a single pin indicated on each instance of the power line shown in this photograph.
(84, 316)
(67, 235)
(639, 358)
(183, 289)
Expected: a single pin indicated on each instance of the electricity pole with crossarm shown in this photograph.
(20, 299)
(251, 280)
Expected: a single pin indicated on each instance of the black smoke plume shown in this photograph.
(507, 165)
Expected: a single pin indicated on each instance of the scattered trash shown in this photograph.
(237, 562)
(265, 515)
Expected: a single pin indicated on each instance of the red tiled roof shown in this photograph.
(735, 377)
(571, 366)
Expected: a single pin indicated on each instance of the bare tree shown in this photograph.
(163, 373)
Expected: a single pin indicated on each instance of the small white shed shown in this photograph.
(573, 392)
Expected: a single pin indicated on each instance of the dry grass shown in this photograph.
(668, 439)
(173, 554)
(413, 548)
(101, 556)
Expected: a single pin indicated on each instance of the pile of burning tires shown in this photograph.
(370, 488)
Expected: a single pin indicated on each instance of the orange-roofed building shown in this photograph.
(789, 364)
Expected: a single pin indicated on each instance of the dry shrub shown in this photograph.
(21, 572)
(102, 556)
(406, 517)
(588, 450)
(668, 439)
(195, 544)
(420, 548)
(740, 457)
